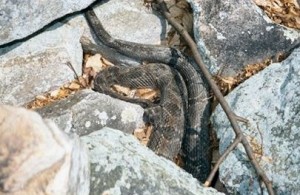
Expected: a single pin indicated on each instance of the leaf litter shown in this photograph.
(284, 12)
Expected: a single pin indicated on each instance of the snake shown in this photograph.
(181, 117)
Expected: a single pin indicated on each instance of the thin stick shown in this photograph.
(73, 69)
(230, 114)
(220, 160)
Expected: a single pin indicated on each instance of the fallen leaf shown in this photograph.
(94, 62)
(143, 134)
(74, 86)
(107, 62)
(123, 90)
(55, 93)
(40, 97)
(285, 12)
(147, 94)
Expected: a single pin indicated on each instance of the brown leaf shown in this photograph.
(122, 90)
(74, 86)
(148, 94)
(106, 62)
(283, 12)
(143, 134)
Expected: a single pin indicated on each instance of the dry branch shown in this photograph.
(230, 114)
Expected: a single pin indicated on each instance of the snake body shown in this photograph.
(167, 117)
(172, 128)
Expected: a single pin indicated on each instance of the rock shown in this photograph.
(39, 64)
(37, 158)
(88, 111)
(121, 165)
(270, 101)
(131, 21)
(22, 18)
(231, 34)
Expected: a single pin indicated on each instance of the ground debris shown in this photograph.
(227, 84)
(285, 12)
(55, 95)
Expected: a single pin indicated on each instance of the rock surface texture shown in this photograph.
(270, 101)
(37, 65)
(31, 68)
(37, 158)
(88, 111)
(119, 165)
(22, 18)
(122, 19)
(36, 44)
(232, 34)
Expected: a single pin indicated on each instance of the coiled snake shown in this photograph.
(180, 119)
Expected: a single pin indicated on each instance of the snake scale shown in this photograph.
(177, 128)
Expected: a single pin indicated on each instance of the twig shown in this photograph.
(230, 114)
(73, 69)
(213, 172)
(241, 119)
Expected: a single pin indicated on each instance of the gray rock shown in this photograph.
(38, 158)
(270, 101)
(88, 111)
(231, 34)
(40, 64)
(131, 21)
(22, 18)
(121, 165)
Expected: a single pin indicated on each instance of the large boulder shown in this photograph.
(20, 19)
(270, 101)
(37, 158)
(39, 64)
(88, 111)
(121, 165)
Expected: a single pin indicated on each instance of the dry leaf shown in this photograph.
(182, 13)
(123, 90)
(285, 12)
(52, 96)
(229, 80)
(140, 134)
(41, 97)
(144, 93)
(94, 62)
(107, 62)
(74, 86)
(227, 84)
(143, 134)
(147, 94)
(84, 81)
(55, 93)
